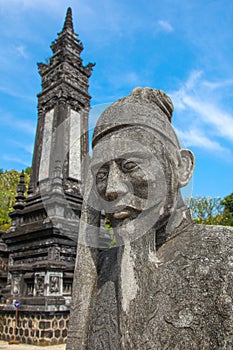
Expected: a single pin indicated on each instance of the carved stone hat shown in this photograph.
(146, 107)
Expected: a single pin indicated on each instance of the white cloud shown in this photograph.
(21, 51)
(18, 160)
(166, 26)
(27, 126)
(26, 147)
(212, 115)
(193, 79)
(203, 121)
(12, 91)
(194, 137)
(132, 78)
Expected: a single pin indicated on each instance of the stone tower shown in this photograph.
(42, 240)
(63, 107)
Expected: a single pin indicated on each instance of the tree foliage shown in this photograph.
(212, 211)
(9, 180)
(227, 202)
(108, 226)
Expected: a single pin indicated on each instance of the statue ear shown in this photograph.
(186, 166)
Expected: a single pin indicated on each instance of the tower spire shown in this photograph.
(68, 24)
(21, 188)
(64, 100)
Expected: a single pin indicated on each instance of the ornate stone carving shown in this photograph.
(16, 285)
(30, 288)
(54, 253)
(54, 284)
(39, 284)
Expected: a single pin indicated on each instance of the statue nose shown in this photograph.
(116, 185)
(111, 195)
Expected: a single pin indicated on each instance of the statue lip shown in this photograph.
(120, 212)
(123, 214)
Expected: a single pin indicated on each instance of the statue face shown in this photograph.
(130, 181)
(137, 167)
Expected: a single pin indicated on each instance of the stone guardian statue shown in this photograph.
(165, 283)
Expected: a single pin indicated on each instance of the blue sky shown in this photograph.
(182, 47)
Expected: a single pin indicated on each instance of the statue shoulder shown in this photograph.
(208, 242)
(218, 232)
(200, 242)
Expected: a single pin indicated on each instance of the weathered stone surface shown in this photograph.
(167, 284)
(183, 301)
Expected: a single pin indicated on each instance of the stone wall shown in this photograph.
(35, 328)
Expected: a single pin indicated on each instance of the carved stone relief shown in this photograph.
(16, 285)
(39, 284)
(55, 283)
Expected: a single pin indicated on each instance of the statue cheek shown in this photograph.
(139, 181)
(140, 188)
(101, 188)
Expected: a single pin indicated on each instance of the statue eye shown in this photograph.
(102, 174)
(128, 165)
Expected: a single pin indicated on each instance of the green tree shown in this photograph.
(206, 210)
(9, 180)
(212, 211)
(227, 202)
(111, 232)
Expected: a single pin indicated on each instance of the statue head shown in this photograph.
(138, 167)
